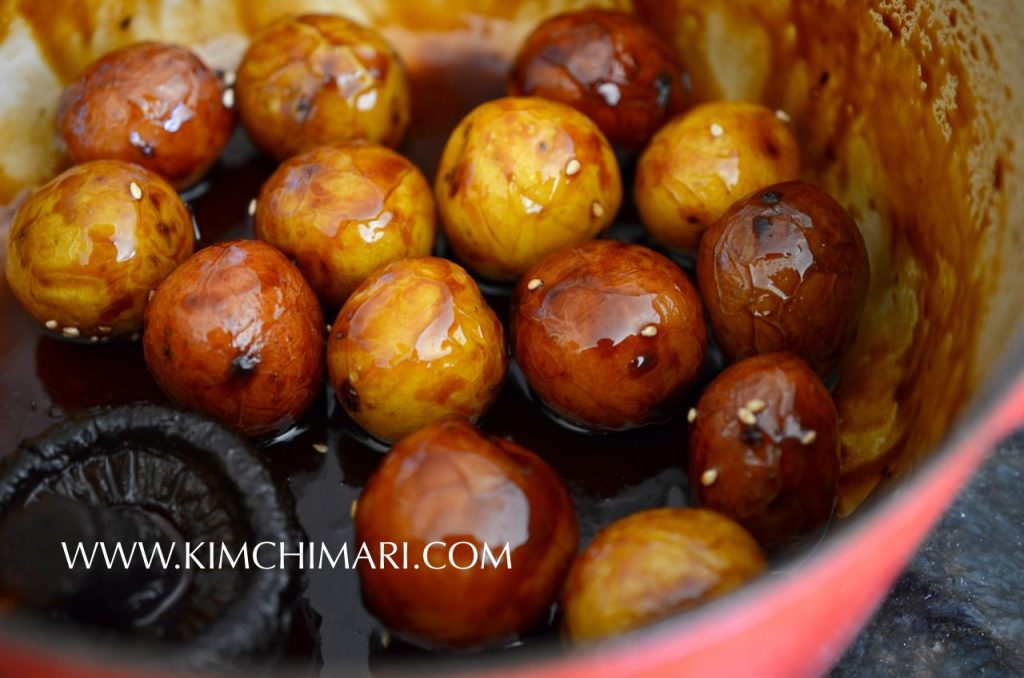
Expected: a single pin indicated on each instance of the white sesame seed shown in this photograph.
(328, 328)
(94, 339)
(534, 284)
(572, 167)
(149, 297)
(135, 337)
(105, 329)
(229, 98)
(597, 209)
(385, 638)
(135, 190)
(252, 207)
(783, 116)
(650, 331)
(691, 416)
(717, 130)
(708, 478)
(71, 332)
(229, 78)
(352, 510)
(756, 405)
(51, 324)
(320, 447)
(746, 416)
(809, 437)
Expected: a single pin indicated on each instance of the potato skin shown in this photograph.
(84, 253)
(236, 332)
(579, 335)
(654, 564)
(702, 162)
(321, 79)
(768, 477)
(521, 177)
(785, 269)
(414, 343)
(448, 482)
(151, 103)
(342, 212)
(606, 64)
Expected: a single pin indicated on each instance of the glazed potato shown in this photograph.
(342, 212)
(150, 103)
(654, 564)
(450, 484)
(236, 332)
(321, 79)
(608, 65)
(521, 178)
(785, 269)
(764, 448)
(700, 163)
(86, 249)
(608, 334)
(414, 343)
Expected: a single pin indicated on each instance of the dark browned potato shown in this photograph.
(521, 178)
(764, 447)
(654, 564)
(785, 269)
(321, 79)
(702, 162)
(608, 334)
(150, 103)
(446, 492)
(414, 343)
(236, 332)
(608, 65)
(87, 248)
(342, 212)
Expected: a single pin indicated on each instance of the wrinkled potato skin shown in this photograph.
(449, 483)
(767, 479)
(578, 337)
(414, 343)
(606, 64)
(799, 286)
(342, 212)
(85, 253)
(654, 564)
(505, 197)
(321, 79)
(687, 177)
(150, 103)
(236, 332)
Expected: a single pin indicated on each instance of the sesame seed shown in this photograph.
(135, 337)
(756, 405)
(708, 478)
(783, 116)
(149, 297)
(51, 324)
(650, 331)
(534, 284)
(352, 510)
(717, 130)
(71, 332)
(229, 78)
(809, 437)
(572, 167)
(597, 209)
(328, 328)
(691, 416)
(135, 190)
(229, 98)
(105, 329)
(94, 339)
(746, 416)
(385, 638)
(252, 207)
(320, 447)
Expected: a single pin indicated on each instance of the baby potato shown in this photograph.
(87, 248)
(521, 178)
(150, 103)
(652, 565)
(785, 269)
(415, 342)
(447, 492)
(321, 79)
(702, 162)
(608, 65)
(342, 212)
(608, 333)
(764, 448)
(235, 332)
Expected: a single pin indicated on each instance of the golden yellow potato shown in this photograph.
(319, 79)
(86, 249)
(521, 177)
(416, 342)
(651, 565)
(702, 162)
(342, 212)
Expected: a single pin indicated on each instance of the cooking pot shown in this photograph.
(908, 111)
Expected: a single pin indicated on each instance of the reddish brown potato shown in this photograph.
(785, 269)
(236, 332)
(606, 64)
(321, 79)
(86, 249)
(699, 164)
(764, 447)
(150, 103)
(342, 212)
(414, 343)
(521, 178)
(654, 564)
(608, 333)
(449, 483)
